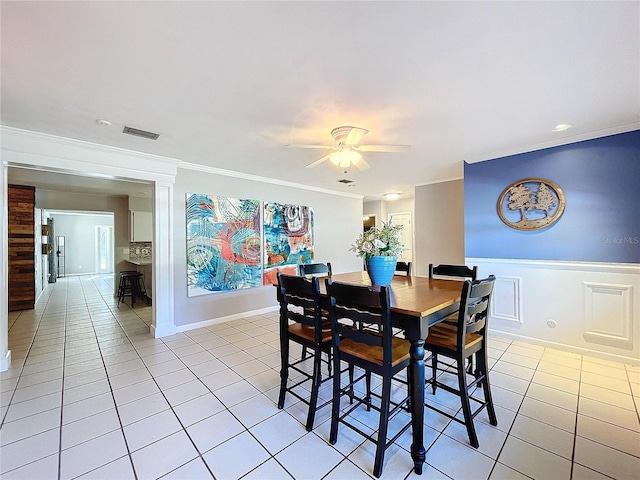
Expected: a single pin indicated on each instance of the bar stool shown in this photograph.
(131, 283)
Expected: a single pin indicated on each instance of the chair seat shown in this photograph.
(373, 354)
(309, 333)
(445, 336)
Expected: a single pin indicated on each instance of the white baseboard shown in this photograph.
(5, 361)
(163, 331)
(228, 318)
(567, 348)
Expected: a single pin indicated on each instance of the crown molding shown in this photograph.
(257, 178)
(629, 127)
(27, 148)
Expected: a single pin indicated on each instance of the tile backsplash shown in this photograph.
(140, 250)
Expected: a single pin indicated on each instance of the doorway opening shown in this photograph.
(404, 219)
(104, 249)
(368, 222)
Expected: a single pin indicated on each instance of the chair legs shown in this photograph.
(466, 404)
(335, 404)
(386, 412)
(481, 369)
(384, 424)
(315, 386)
(480, 379)
(434, 372)
(315, 377)
(284, 370)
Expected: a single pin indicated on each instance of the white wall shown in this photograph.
(439, 224)
(79, 231)
(140, 204)
(53, 200)
(338, 221)
(41, 261)
(589, 308)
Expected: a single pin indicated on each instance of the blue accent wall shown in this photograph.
(600, 179)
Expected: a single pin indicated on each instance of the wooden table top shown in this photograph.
(413, 296)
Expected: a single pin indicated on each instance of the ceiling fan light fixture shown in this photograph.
(345, 157)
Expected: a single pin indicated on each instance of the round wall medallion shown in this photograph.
(531, 204)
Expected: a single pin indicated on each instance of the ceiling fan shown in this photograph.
(346, 151)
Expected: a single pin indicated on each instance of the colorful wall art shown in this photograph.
(288, 238)
(223, 244)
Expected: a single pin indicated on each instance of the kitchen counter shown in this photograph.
(144, 266)
(139, 261)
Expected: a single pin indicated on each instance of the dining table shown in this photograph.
(416, 304)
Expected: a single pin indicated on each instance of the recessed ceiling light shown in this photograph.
(392, 196)
(561, 127)
(103, 123)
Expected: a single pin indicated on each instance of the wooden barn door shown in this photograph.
(21, 258)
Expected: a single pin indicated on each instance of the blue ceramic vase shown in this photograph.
(381, 269)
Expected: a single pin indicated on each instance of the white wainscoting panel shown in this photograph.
(587, 308)
(607, 313)
(506, 304)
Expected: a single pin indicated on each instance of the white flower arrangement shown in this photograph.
(385, 242)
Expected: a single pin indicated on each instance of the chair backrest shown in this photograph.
(361, 314)
(313, 269)
(299, 299)
(404, 267)
(475, 303)
(461, 271)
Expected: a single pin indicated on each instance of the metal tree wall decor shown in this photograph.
(531, 204)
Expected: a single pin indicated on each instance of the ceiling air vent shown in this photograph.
(141, 133)
(345, 181)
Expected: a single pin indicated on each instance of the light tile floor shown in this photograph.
(90, 394)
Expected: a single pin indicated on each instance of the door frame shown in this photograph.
(411, 233)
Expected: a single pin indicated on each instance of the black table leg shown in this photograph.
(418, 453)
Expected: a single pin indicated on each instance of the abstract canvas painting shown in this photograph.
(288, 238)
(223, 244)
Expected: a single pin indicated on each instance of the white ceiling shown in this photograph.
(229, 84)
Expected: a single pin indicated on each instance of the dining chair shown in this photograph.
(362, 337)
(458, 271)
(404, 267)
(301, 322)
(455, 271)
(458, 342)
(314, 269)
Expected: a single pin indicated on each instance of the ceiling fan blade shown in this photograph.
(355, 135)
(318, 161)
(302, 145)
(361, 164)
(384, 148)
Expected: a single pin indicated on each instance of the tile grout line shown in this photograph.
(575, 427)
(64, 362)
(115, 407)
(514, 418)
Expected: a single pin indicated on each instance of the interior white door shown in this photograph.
(407, 234)
(104, 249)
